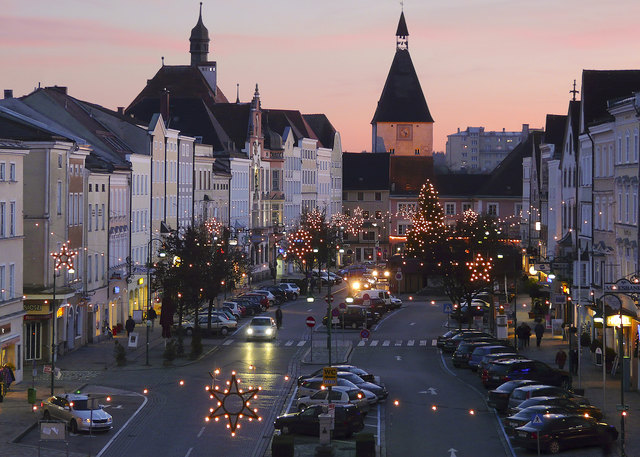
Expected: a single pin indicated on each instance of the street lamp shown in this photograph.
(161, 254)
(62, 259)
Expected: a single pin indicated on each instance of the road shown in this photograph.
(440, 411)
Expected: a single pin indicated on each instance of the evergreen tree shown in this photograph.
(426, 237)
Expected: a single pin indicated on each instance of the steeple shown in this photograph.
(402, 34)
(199, 42)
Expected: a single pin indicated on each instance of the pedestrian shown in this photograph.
(539, 329)
(520, 335)
(527, 334)
(151, 315)
(605, 441)
(278, 317)
(129, 326)
(573, 362)
(561, 358)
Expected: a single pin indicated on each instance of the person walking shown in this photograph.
(129, 325)
(152, 315)
(527, 334)
(278, 317)
(539, 329)
(561, 358)
(520, 335)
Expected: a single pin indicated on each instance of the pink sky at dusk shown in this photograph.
(491, 63)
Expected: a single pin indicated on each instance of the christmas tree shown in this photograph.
(426, 237)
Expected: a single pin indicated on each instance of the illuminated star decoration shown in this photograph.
(64, 258)
(233, 403)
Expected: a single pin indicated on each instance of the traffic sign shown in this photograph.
(399, 276)
(335, 312)
(366, 300)
(330, 376)
(311, 321)
(328, 298)
(447, 308)
(364, 334)
(537, 419)
(342, 306)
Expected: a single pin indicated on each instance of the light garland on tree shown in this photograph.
(428, 227)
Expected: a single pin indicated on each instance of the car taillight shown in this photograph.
(485, 375)
(505, 379)
(534, 435)
(41, 404)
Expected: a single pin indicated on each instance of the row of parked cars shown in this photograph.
(360, 313)
(356, 392)
(224, 320)
(540, 407)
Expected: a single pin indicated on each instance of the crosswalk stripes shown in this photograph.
(301, 343)
(423, 342)
(410, 342)
(288, 343)
(227, 342)
(398, 342)
(361, 343)
(374, 343)
(386, 343)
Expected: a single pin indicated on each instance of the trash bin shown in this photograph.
(31, 395)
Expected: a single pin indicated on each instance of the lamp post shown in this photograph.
(62, 259)
(161, 254)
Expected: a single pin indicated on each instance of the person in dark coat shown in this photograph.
(539, 329)
(130, 325)
(561, 358)
(278, 317)
(573, 362)
(527, 334)
(152, 315)
(520, 335)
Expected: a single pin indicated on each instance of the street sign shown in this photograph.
(622, 407)
(537, 419)
(447, 308)
(311, 322)
(364, 334)
(342, 306)
(328, 298)
(335, 312)
(366, 300)
(399, 276)
(330, 376)
(623, 286)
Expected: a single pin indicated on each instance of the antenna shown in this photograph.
(574, 91)
(237, 92)
(402, 5)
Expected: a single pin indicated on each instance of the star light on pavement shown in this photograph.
(233, 403)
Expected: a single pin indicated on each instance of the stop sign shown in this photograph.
(311, 322)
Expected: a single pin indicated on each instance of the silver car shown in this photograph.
(339, 395)
(262, 327)
(80, 412)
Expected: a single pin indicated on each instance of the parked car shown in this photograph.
(291, 288)
(354, 316)
(462, 354)
(262, 299)
(378, 389)
(339, 396)
(478, 353)
(535, 390)
(450, 334)
(219, 325)
(348, 420)
(526, 415)
(350, 368)
(559, 431)
(396, 302)
(237, 309)
(499, 398)
(281, 295)
(272, 298)
(506, 370)
(262, 328)
(573, 405)
(488, 359)
(451, 344)
(251, 304)
(312, 385)
(478, 308)
(77, 411)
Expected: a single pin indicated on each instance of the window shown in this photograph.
(416, 152)
(96, 265)
(378, 196)
(102, 214)
(89, 268)
(449, 209)
(492, 209)
(12, 281)
(12, 219)
(403, 229)
(378, 214)
(3, 218)
(59, 198)
(365, 215)
(360, 196)
(3, 285)
(12, 172)
(59, 160)
(466, 207)
(3, 168)
(368, 236)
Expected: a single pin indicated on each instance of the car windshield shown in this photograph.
(354, 378)
(82, 405)
(260, 321)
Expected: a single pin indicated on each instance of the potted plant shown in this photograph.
(120, 354)
(170, 352)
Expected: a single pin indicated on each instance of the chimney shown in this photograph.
(8, 93)
(61, 89)
(164, 105)
(121, 110)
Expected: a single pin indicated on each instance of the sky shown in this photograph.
(491, 63)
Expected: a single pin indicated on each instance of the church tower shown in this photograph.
(199, 42)
(402, 124)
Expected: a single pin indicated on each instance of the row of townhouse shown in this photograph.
(108, 185)
(580, 192)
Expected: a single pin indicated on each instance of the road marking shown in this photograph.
(430, 390)
(410, 342)
(188, 452)
(423, 342)
(113, 438)
(301, 343)
(201, 432)
(398, 342)
(434, 342)
(288, 343)
(227, 342)
(374, 343)
(361, 343)
(386, 343)
(309, 310)
(370, 425)
(413, 323)
(398, 358)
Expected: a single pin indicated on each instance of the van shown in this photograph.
(382, 294)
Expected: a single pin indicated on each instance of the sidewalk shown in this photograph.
(78, 368)
(591, 382)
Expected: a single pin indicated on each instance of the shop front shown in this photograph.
(11, 347)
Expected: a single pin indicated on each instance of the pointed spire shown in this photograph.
(199, 42)
(255, 103)
(257, 92)
(237, 92)
(402, 34)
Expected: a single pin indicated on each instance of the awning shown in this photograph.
(8, 341)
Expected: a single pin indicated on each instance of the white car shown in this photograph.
(219, 324)
(339, 395)
(262, 327)
(290, 287)
(78, 411)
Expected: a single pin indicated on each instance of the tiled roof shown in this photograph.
(456, 185)
(599, 86)
(554, 131)
(322, 127)
(402, 99)
(365, 171)
(408, 174)
(11, 144)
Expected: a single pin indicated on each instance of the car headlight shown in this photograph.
(87, 420)
(269, 331)
(249, 331)
(355, 285)
(109, 420)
